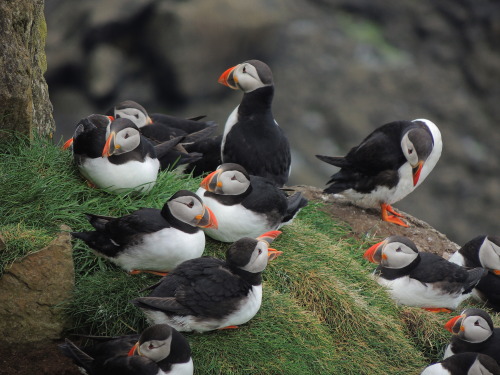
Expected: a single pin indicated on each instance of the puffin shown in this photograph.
(252, 137)
(467, 363)
(473, 331)
(483, 251)
(206, 293)
(245, 205)
(160, 128)
(387, 165)
(114, 156)
(420, 279)
(151, 239)
(160, 349)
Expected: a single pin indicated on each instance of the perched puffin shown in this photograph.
(160, 128)
(160, 349)
(151, 239)
(420, 279)
(246, 205)
(467, 363)
(473, 331)
(387, 165)
(252, 138)
(206, 293)
(483, 251)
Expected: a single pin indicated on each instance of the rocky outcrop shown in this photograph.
(341, 68)
(23, 91)
(31, 292)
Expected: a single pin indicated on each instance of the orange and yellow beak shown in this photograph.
(451, 325)
(207, 219)
(416, 172)
(211, 182)
(374, 253)
(269, 236)
(67, 144)
(496, 272)
(228, 79)
(272, 254)
(133, 349)
(110, 146)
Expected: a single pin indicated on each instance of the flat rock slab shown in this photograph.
(31, 291)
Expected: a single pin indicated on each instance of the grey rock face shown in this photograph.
(23, 90)
(31, 290)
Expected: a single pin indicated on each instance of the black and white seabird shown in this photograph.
(483, 251)
(252, 137)
(473, 331)
(159, 350)
(420, 279)
(467, 363)
(387, 165)
(206, 293)
(151, 239)
(246, 205)
(160, 128)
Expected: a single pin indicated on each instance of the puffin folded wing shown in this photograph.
(164, 304)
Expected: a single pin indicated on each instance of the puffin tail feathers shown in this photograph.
(338, 161)
(295, 202)
(474, 276)
(79, 357)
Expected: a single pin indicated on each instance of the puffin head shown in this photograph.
(247, 76)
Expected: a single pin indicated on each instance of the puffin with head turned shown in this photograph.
(252, 137)
(420, 279)
(206, 293)
(483, 251)
(387, 165)
(160, 349)
(473, 331)
(246, 205)
(150, 239)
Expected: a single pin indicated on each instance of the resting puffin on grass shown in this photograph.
(420, 279)
(252, 137)
(160, 349)
(473, 331)
(387, 165)
(246, 205)
(150, 239)
(206, 293)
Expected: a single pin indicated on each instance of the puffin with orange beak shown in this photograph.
(151, 239)
(420, 279)
(252, 137)
(483, 251)
(387, 165)
(207, 293)
(246, 205)
(473, 331)
(160, 349)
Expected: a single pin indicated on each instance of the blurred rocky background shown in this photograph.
(341, 69)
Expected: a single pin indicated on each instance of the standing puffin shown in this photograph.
(483, 251)
(160, 349)
(151, 239)
(206, 293)
(252, 138)
(420, 279)
(387, 165)
(473, 331)
(467, 363)
(246, 205)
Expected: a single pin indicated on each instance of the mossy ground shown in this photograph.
(321, 312)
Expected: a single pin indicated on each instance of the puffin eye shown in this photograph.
(244, 69)
(118, 116)
(410, 151)
(398, 250)
(190, 204)
(136, 115)
(151, 346)
(126, 135)
(233, 178)
(260, 251)
(476, 323)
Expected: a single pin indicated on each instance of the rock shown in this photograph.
(23, 91)
(31, 291)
